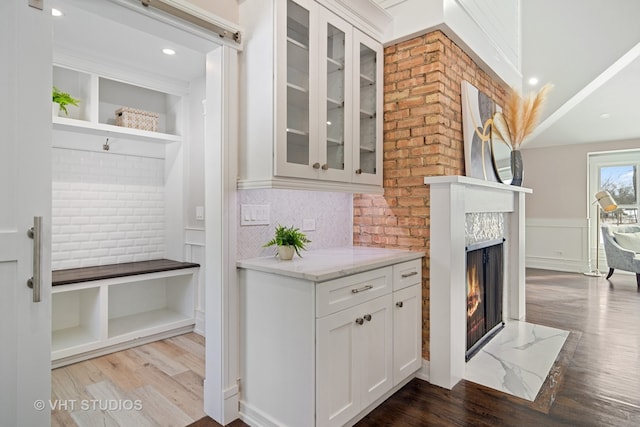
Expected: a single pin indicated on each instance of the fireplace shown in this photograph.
(452, 199)
(485, 273)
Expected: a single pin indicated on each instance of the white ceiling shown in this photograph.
(100, 30)
(589, 50)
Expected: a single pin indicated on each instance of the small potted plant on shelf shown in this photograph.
(61, 100)
(288, 240)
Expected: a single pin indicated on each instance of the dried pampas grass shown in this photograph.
(519, 117)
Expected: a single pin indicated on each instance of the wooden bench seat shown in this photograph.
(87, 274)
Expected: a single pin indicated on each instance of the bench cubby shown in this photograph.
(98, 310)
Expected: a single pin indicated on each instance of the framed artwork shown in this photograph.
(477, 118)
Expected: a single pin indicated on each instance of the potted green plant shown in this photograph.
(288, 240)
(62, 99)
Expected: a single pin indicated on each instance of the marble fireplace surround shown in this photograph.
(452, 197)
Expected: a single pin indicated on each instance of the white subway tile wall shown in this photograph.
(332, 212)
(107, 208)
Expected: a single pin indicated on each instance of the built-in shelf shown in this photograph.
(334, 103)
(297, 43)
(139, 322)
(364, 114)
(366, 80)
(69, 338)
(82, 126)
(334, 65)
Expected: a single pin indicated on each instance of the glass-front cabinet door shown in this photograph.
(367, 118)
(335, 90)
(296, 74)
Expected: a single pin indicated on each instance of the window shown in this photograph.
(621, 181)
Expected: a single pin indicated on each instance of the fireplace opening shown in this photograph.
(485, 276)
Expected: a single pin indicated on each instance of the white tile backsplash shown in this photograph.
(332, 212)
(107, 208)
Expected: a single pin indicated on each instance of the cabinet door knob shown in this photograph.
(399, 304)
(367, 317)
(359, 321)
(358, 171)
(325, 167)
(316, 165)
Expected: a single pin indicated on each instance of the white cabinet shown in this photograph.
(407, 319)
(354, 360)
(321, 123)
(325, 353)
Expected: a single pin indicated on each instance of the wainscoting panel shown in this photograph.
(194, 252)
(560, 244)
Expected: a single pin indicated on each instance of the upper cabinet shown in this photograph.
(310, 115)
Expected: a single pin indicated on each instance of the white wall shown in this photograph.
(487, 30)
(556, 213)
(194, 179)
(107, 208)
(333, 213)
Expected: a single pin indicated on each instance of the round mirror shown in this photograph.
(501, 154)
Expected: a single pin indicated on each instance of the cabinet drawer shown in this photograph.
(407, 274)
(338, 294)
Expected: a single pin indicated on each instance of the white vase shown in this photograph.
(285, 253)
(55, 109)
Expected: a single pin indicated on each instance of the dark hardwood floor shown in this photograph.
(600, 386)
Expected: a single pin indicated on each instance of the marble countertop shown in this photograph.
(326, 264)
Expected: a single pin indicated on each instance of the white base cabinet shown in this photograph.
(326, 353)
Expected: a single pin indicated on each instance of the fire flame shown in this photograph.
(473, 291)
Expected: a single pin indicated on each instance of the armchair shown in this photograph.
(617, 256)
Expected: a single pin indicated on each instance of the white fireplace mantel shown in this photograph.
(451, 198)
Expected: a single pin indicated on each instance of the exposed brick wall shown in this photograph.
(422, 137)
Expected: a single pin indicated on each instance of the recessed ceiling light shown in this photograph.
(605, 115)
(168, 51)
(533, 81)
(56, 12)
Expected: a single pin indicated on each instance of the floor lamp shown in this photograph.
(605, 202)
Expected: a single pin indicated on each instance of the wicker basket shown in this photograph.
(137, 119)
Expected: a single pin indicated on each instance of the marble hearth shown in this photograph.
(452, 198)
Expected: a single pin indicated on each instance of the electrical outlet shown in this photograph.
(308, 225)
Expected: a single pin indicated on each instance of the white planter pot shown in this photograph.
(55, 109)
(285, 253)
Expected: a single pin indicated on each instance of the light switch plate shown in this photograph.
(254, 215)
(200, 212)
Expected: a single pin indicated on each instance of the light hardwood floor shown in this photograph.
(156, 384)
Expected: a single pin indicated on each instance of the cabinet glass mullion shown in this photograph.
(297, 84)
(335, 97)
(368, 109)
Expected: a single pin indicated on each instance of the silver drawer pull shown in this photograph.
(362, 289)
(413, 273)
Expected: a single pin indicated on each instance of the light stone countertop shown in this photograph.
(326, 264)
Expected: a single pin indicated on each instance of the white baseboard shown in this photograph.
(557, 264)
(424, 373)
(199, 327)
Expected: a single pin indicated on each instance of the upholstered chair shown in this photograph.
(621, 246)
